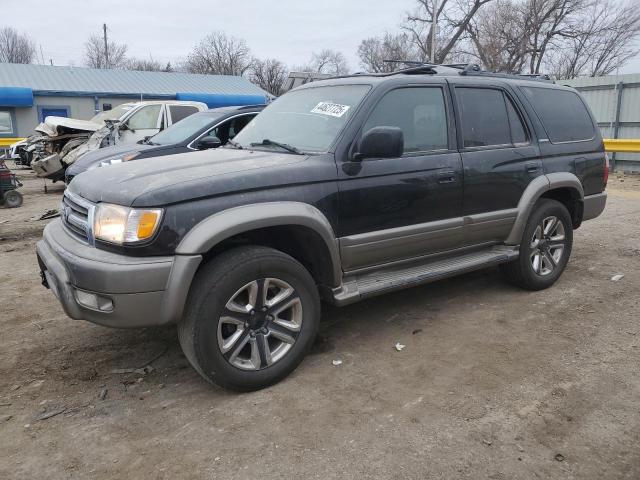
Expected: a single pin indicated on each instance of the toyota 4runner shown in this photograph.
(339, 190)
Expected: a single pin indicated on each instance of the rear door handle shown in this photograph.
(447, 177)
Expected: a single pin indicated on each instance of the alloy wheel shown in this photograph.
(547, 245)
(260, 324)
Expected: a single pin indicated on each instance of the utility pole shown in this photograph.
(106, 46)
(434, 27)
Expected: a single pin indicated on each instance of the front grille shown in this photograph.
(77, 216)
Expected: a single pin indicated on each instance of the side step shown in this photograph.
(398, 277)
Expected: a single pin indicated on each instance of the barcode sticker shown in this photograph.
(331, 109)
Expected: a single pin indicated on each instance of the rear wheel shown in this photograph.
(545, 247)
(251, 316)
(12, 199)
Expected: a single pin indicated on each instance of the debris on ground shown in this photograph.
(139, 371)
(52, 413)
(617, 277)
(49, 214)
(559, 457)
(399, 346)
(336, 363)
(15, 387)
(103, 394)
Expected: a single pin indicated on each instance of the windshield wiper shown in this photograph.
(235, 144)
(284, 146)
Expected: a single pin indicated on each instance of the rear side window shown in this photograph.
(178, 112)
(563, 114)
(419, 112)
(484, 117)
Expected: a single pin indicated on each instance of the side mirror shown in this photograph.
(381, 142)
(208, 142)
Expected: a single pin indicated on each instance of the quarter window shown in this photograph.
(6, 125)
(564, 115)
(419, 112)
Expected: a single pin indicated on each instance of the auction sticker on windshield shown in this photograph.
(332, 109)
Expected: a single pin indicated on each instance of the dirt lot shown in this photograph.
(494, 382)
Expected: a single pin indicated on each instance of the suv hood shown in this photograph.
(159, 181)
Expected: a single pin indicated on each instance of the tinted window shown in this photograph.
(484, 117)
(178, 112)
(228, 130)
(146, 117)
(420, 114)
(518, 130)
(563, 114)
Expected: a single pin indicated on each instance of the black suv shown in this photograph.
(339, 190)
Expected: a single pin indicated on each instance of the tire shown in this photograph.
(12, 199)
(226, 335)
(543, 255)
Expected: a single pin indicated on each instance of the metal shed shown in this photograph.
(28, 93)
(615, 101)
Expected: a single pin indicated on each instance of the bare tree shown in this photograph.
(16, 47)
(564, 37)
(145, 65)
(375, 50)
(219, 54)
(452, 17)
(604, 38)
(498, 39)
(96, 56)
(270, 75)
(329, 61)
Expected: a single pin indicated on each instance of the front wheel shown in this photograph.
(545, 247)
(251, 316)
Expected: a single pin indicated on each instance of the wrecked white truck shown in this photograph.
(61, 141)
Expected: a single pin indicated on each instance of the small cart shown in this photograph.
(9, 196)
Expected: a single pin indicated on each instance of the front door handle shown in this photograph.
(447, 177)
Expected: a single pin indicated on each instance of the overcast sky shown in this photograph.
(168, 29)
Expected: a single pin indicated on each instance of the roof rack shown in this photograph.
(467, 69)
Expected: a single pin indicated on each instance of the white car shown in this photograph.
(63, 140)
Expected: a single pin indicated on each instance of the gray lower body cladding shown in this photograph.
(110, 289)
(593, 205)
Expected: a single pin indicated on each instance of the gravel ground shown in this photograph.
(494, 382)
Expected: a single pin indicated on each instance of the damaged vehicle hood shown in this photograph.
(54, 126)
(160, 181)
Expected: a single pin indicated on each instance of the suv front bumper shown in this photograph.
(111, 289)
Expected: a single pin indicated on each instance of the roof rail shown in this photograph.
(467, 69)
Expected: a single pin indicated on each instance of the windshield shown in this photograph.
(113, 114)
(182, 130)
(308, 119)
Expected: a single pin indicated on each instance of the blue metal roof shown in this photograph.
(71, 80)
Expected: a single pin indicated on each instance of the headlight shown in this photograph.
(118, 159)
(117, 224)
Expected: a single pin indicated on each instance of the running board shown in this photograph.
(358, 287)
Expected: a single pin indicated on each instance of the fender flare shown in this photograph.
(533, 192)
(227, 223)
